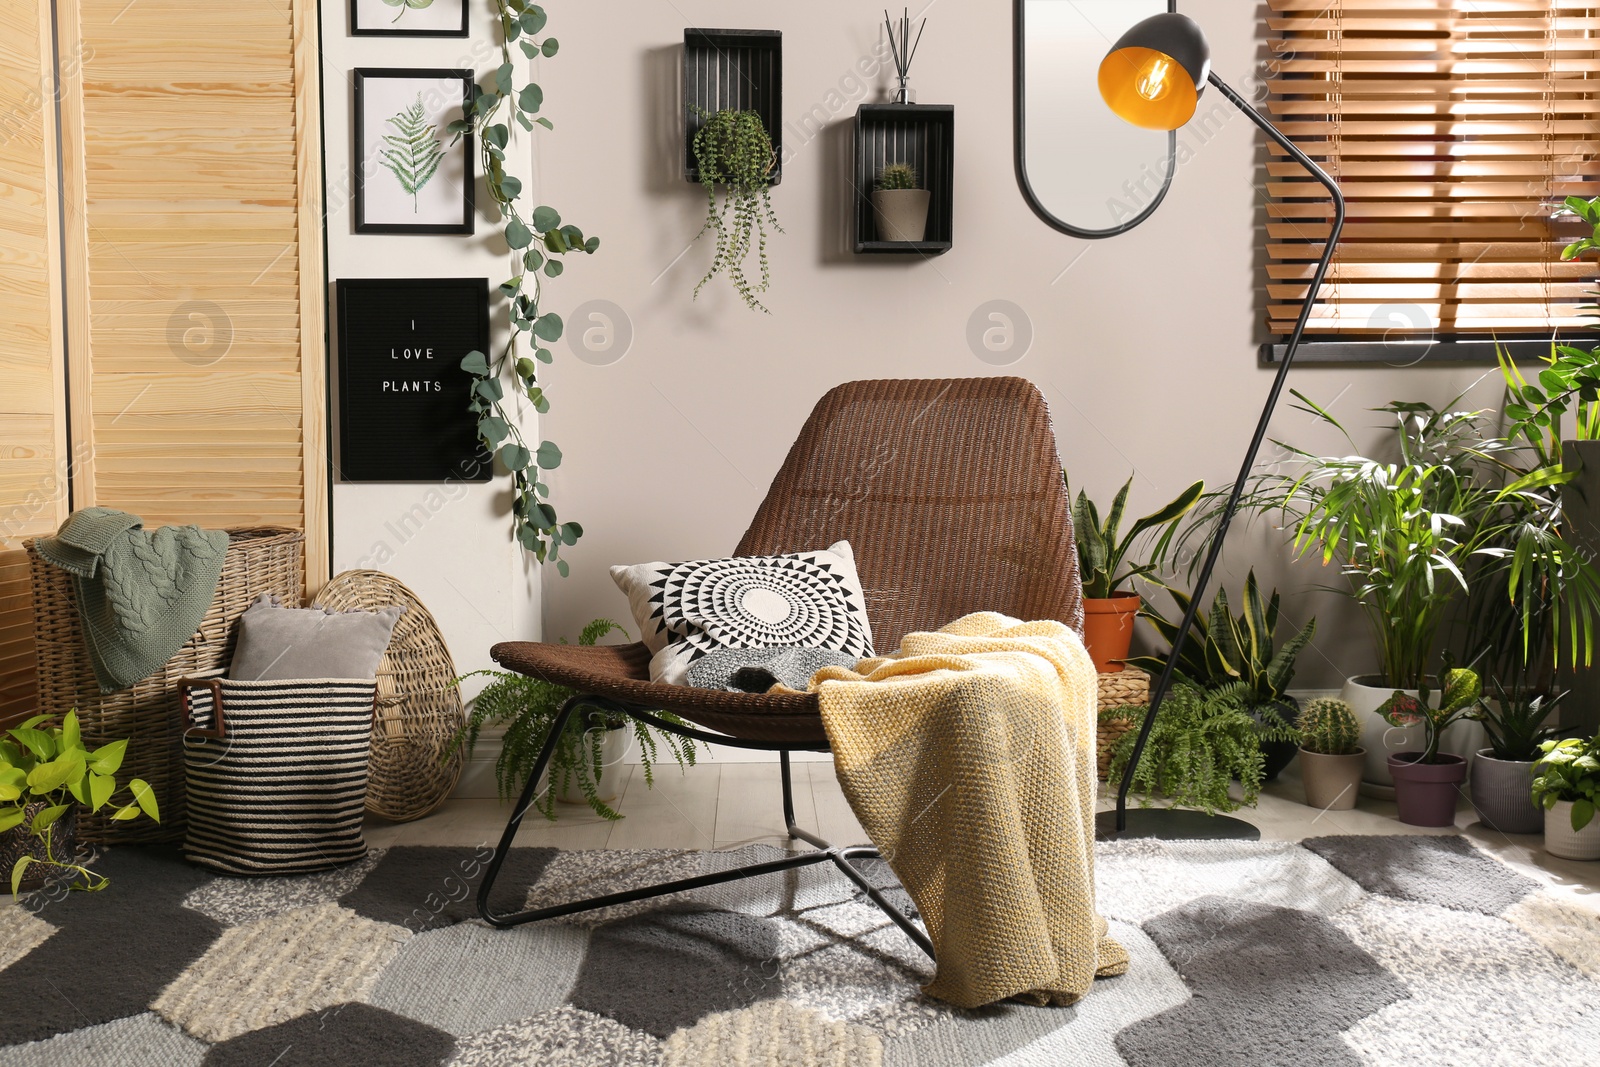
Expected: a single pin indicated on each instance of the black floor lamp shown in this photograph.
(1153, 77)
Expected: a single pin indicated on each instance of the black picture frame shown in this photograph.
(361, 77)
(391, 27)
(403, 414)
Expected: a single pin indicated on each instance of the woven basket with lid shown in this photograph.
(412, 769)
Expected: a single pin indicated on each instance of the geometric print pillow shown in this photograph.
(804, 599)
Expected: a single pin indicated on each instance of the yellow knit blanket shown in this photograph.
(969, 758)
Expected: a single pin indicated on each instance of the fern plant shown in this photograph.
(1201, 740)
(535, 240)
(414, 152)
(732, 149)
(527, 708)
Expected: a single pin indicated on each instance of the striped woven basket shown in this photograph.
(1129, 687)
(277, 783)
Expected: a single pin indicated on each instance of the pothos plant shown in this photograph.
(537, 239)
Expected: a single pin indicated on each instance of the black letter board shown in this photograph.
(403, 396)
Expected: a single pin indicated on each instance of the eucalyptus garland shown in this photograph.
(536, 239)
(732, 149)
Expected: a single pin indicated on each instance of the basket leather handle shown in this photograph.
(213, 684)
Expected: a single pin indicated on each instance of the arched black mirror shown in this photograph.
(1082, 169)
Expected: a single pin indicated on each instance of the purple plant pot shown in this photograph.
(1427, 792)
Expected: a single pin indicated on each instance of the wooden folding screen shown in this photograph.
(189, 274)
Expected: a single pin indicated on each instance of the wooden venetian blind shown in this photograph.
(194, 271)
(33, 447)
(1455, 129)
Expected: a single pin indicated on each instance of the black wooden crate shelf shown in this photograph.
(922, 135)
(740, 70)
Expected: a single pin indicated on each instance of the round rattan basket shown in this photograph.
(412, 769)
(1129, 687)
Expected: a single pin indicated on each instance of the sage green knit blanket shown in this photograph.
(141, 593)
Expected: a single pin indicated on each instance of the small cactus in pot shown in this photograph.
(1328, 726)
(901, 207)
(1331, 756)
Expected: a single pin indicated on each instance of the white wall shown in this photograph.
(1144, 344)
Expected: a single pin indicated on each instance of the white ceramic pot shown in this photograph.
(1560, 839)
(613, 751)
(902, 213)
(1365, 694)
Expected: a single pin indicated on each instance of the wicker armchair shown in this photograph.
(949, 492)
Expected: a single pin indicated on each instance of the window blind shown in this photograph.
(1455, 129)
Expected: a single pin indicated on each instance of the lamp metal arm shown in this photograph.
(1164, 683)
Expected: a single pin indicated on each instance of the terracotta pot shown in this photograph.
(1332, 782)
(1108, 629)
(613, 750)
(1502, 793)
(1560, 839)
(902, 213)
(1426, 792)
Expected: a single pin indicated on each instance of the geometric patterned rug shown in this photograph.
(1403, 950)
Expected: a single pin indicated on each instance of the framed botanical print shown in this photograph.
(411, 174)
(408, 18)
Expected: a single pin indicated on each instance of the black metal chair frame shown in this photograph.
(839, 855)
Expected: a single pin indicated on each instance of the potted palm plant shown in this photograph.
(1516, 724)
(1106, 565)
(1331, 756)
(583, 768)
(1567, 786)
(1224, 649)
(1427, 782)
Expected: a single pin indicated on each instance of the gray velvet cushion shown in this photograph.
(277, 643)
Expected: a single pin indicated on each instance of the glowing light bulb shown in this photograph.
(1153, 82)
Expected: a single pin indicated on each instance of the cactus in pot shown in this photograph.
(1331, 756)
(900, 206)
(1328, 727)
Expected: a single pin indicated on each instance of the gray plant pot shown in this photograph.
(1332, 782)
(1502, 791)
(902, 213)
(613, 751)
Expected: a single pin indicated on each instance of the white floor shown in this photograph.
(721, 805)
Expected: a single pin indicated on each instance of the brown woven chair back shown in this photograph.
(950, 493)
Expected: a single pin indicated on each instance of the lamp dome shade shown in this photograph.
(1154, 75)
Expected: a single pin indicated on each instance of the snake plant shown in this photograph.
(1104, 551)
(1224, 648)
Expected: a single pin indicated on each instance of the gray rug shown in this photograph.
(1344, 950)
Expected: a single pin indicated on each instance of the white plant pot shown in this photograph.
(1365, 695)
(902, 213)
(1560, 839)
(613, 750)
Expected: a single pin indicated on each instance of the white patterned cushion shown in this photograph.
(807, 599)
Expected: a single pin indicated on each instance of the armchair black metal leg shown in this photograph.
(826, 852)
(524, 802)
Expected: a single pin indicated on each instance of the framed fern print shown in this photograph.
(408, 18)
(411, 175)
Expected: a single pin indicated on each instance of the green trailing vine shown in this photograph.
(537, 238)
(527, 708)
(732, 149)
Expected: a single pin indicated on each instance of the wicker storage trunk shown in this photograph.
(260, 559)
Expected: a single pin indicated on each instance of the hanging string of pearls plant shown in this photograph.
(537, 239)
